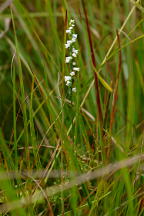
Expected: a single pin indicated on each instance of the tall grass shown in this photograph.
(78, 154)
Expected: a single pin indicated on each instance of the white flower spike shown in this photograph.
(73, 52)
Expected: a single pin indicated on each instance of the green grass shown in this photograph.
(49, 139)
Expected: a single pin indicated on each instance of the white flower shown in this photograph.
(73, 40)
(72, 73)
(67, 45)
(74, 55)
(72, 21)
(68, 59)
(67, 78)
(74, 50)
(74, 36)
(74, 63)
(68, 31)
(70, 28)
(68, 83)
(69, 41)
(76, 69)
(74, 89)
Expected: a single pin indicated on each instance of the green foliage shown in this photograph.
(44, 129)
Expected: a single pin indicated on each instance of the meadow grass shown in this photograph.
(71, 153)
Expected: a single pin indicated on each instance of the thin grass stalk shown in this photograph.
(115, 93)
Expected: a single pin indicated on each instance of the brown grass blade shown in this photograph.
(94, 64)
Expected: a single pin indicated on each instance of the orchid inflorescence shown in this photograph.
(70, 46)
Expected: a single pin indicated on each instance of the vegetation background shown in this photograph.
(73, 155)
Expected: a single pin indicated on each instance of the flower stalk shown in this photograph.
(70, 59)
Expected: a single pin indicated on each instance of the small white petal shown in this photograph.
(67, 78)
(72, 73)
(76, 69)
(74, 55)
(74, 50)
(68, 83)
(69, 41)
(68, 59)
(68, 31)
(73, 40)
(74, 63)
(74, 89)
(67, 45)
(72, 21)
(74, 36)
